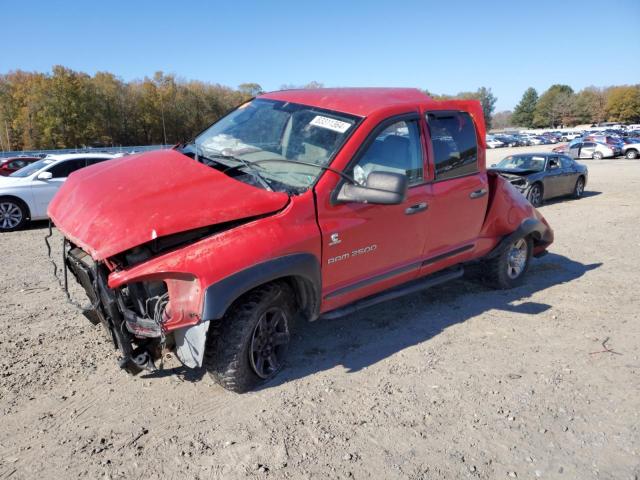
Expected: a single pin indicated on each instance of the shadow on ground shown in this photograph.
(365, 338)
(586, 194)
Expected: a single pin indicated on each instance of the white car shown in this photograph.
(567, 136)
(494, 142)
(26, 193)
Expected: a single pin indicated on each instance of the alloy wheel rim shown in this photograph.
(517, 258)
(579, 188)
(269, 343)
(10, 215)
(535, 196)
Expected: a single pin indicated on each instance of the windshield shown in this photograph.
(32, 168)
(522, 162)
(272, 130)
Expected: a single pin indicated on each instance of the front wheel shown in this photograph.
(535, 195)
(507, 269)
(598, 156)
(578, 190)
(253, 339)
(13, 214)
(631, 154)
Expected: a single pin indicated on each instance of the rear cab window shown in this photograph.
(454, 142)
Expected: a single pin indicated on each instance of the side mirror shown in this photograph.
(45, 176)
(383, 188)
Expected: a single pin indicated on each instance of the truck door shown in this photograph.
(458, 194)
(368, 248)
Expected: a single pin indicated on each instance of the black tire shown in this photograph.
(14, 214)
(498, 272)
(536, 194)
(230, 354)
(631, 154)
(578, 190)
(598, 156)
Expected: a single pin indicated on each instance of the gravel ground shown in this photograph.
(456, 382)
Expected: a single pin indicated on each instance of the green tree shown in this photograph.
(554, 107)
(524, 111)
(488, 101)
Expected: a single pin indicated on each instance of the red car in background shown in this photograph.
(13, 164)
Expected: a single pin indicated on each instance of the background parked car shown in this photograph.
(631, 148)
(25, 194)
(540, 140)
(567, 136)
(540, 176)
(522, 139)
(595, 150)
(508, 140)
(493, 142)
(11, 164)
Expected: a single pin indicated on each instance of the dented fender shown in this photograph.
(510, 213)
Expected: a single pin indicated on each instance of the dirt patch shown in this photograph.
(456, 382)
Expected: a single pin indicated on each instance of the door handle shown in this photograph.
(478, 193)
(420, 207)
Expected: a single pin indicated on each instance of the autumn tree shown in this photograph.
(623, 104)
(554, 107)
(502, 120)
(250, 89)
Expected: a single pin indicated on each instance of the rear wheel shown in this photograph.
(535, 195)
(508, 268)
(598, 156)
(631, 154)
(253, 340)
(578, 190)
(13, 214)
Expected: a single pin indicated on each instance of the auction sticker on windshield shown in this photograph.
(330, 124)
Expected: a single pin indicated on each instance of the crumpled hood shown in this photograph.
(116, 205)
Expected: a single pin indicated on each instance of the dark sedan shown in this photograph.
(541, 176)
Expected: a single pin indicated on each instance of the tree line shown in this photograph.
(560, 106)
(70, 109)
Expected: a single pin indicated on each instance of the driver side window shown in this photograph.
(396, 149)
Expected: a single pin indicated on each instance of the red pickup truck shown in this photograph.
(297, 205)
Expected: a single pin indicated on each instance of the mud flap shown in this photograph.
(190, 344)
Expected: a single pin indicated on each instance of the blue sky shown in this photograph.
(444, 46)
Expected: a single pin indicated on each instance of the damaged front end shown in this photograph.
(138, 316)
(520, 182)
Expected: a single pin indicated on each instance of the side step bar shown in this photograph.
(396, 292)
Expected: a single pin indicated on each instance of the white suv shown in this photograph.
(26, 193)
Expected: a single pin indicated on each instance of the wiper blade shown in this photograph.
(256, 171)
(299, 162)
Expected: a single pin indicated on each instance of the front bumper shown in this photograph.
(139, 340)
